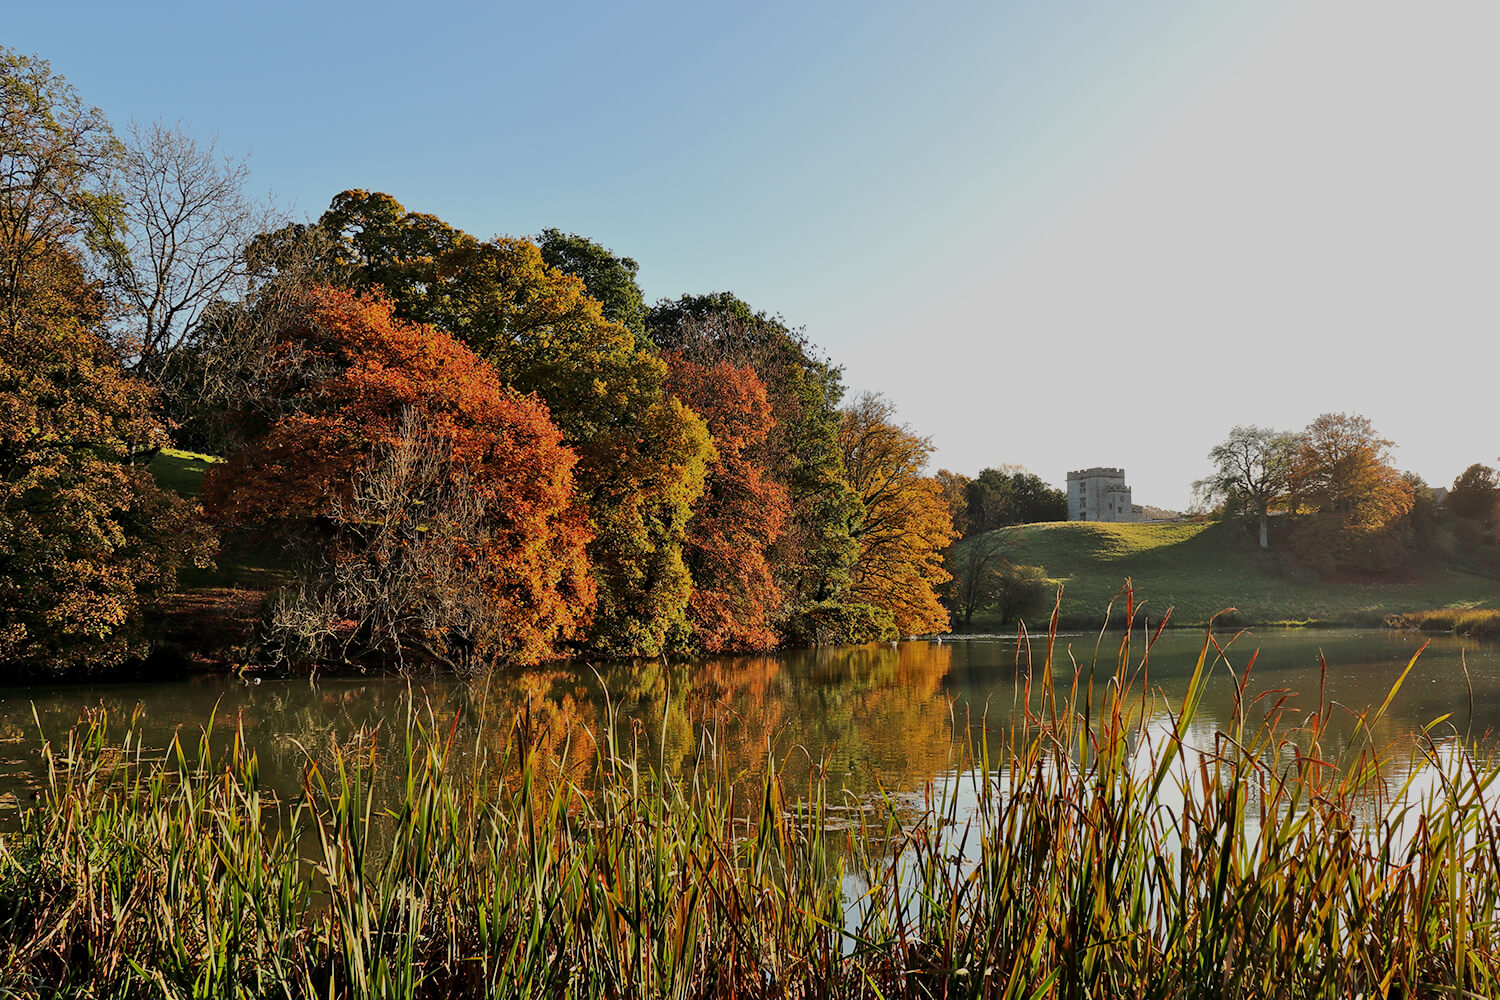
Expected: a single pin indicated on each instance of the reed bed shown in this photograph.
(1089, 848)
(1478, 622)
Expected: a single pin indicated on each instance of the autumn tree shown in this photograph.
(395, 455)
(814, 555)
(56, 154)
(905, 525)
(955, 490)
(1350, 500)
(741, 513)
(1252, 473)
(642, 453)
(230, 351)
(89, 544)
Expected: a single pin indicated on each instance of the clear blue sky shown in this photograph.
(1056, 235)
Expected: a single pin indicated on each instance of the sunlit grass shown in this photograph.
(1096, 846)
(1464, 621)
(181, 471)
(1199, 569)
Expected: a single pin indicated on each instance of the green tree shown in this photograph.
(1020, 591)
(609, 279)
(1008, 495)
(1252, 472)
(1475, 492)
(974, 564)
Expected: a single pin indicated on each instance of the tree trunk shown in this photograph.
(1265, 541)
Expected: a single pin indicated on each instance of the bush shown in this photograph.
(833, 624)
(1021, 591)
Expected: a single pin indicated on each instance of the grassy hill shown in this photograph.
(1202, 569)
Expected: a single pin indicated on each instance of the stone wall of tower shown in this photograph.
(1099, 494)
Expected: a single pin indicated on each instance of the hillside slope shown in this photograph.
(1202, 569)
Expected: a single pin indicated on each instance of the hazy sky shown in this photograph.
(1055, 234)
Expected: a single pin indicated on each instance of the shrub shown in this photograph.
(833, 624)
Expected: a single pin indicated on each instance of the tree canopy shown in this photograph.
(332, 423)
(741, 514)
(1475, 493)
(1252, 472)
(1000, 497)
(89, 544)
(813, 556)
(608, 279)
(642, 454)
(56, 154)
(905, 525)
(1352, 498)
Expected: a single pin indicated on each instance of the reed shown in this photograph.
(1482, 622)
(1091, 847)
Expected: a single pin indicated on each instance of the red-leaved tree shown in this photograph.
(741, 513)
(441, 502)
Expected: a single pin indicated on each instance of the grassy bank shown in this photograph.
(1200, 569)
(1078, 858)
(1485, 623)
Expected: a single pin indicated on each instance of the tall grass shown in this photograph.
(1094, 847)
(1465, 621)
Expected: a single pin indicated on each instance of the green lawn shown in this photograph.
(181, 471)
(1204, 568)
(222, 602)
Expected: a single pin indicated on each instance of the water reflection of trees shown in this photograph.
(861, 714)
(865, 714)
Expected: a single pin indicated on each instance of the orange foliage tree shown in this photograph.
(642, 454)
(906, 523)
(390, 445)
(1352, 503)
(741, 513)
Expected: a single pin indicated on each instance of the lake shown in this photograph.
(869, 717)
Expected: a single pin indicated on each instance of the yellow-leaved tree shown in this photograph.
(905, 524)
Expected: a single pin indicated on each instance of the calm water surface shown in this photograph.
(872, 716)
